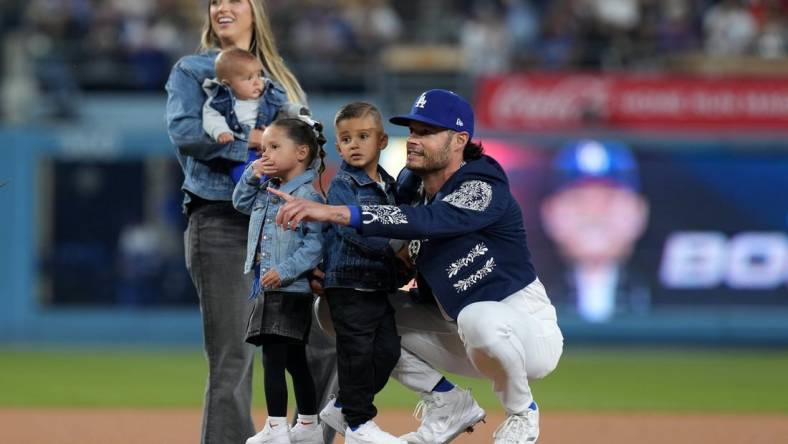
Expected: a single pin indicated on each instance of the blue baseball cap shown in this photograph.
(608, 161)
(442, 108)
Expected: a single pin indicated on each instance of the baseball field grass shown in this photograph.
(587, 379)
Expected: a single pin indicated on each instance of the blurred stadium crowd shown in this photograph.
(54, 53)
(341, 45)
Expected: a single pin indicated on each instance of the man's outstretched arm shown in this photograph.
(298, 210)
(469, 208)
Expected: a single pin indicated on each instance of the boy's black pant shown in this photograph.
(368, 348)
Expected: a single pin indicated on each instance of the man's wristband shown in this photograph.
(355, 216)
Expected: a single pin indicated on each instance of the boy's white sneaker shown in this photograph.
(370, 433)
(519, 429)
(332, 416)
(306, 432)
(279, 434)
(444, 416)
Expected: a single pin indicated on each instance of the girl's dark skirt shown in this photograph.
(279, 316)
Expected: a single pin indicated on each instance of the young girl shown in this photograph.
(282, 301)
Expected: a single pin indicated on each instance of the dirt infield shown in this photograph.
(149, 426)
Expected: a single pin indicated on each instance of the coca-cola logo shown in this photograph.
(556, 101)
(529, 102)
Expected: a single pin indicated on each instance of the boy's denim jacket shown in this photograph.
(350, 260)
(206, 164)
(291, 253)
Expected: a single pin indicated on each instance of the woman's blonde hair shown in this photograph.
(264, 47)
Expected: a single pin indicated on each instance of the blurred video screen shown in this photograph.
(716, 234)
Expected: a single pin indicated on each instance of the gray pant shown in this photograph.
(321, 353)
(215, 247)
(215, 244)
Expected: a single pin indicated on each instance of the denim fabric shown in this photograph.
(214, 246)
(214, 242)
(350, 260)
(321, 350)
(368, 348)
(206, 164)
(280, 316)
(223, 101)
(291, 253)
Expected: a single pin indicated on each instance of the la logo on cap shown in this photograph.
(422, 100)
(439, 108)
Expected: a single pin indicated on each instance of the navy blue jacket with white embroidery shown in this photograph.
(473, 243)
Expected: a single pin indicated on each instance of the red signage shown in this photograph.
(563, 101)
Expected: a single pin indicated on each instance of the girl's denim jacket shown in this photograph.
(291, 253)
(206, 164)
(351, 260)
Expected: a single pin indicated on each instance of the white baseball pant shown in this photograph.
(507, 342)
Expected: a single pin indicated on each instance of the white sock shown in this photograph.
(276, 421)
(307, 419)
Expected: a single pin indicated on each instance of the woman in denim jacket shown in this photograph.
(281, 259)
(216, 235)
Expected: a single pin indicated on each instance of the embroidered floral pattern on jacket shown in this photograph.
(471, 195)
(478, 250)
(471, 280)
(385, 214)
(414, 247)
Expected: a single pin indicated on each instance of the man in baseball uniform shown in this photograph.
(481, 309)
